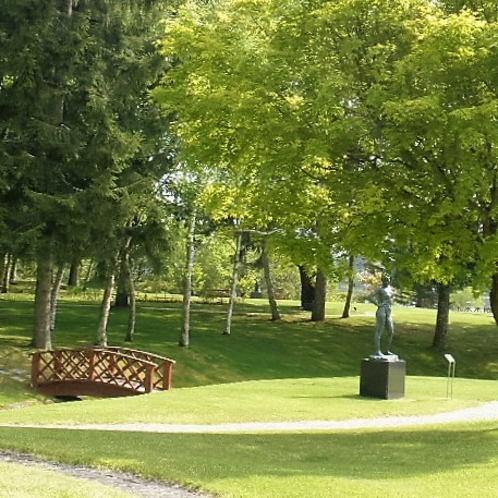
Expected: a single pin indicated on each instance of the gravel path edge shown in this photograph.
(139, 487)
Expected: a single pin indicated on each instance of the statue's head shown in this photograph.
(386, 280)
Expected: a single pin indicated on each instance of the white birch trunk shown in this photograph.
(132, 312)
(349, 297)
(54, 295)
(187, 286)
(130, 289)
(105, 309)
(233, 290)
(275, 314)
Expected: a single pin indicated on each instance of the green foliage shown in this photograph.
(78, 131)
(290, 104)
(439, 124)
(369, 129)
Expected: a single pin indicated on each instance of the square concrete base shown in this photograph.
(382, 379)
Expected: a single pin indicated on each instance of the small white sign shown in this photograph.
(449, 358)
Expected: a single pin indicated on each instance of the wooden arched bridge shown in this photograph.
(105, 372)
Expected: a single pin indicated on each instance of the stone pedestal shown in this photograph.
(382, 379)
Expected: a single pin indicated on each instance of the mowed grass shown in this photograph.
(262, 401)
(20, 481)
(260, 349)
(267, 371)
(419, 462)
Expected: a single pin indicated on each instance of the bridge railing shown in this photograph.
(113, 368)
(162, 375)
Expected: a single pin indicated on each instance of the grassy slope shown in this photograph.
(237, 373)
(261, 349)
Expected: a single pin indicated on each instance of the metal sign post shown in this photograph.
(451, 375)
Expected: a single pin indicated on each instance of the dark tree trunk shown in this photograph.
(122, 299)
(72, 280)
(349, 296)
(307, 290)
(443, 316)
(318, 312)
(13, 271)
(5, 273)
(493, 297)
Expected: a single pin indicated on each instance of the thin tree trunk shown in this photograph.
(105, 308)
(3, 264)
(54, 295)
(318, 313)
(493, 297)
(122, 299)
(41, 330)
(275, 314)
(187, 283)
(88, 272)
(307, 290)
(13, 271)
(132, 317)
(5, 273)
(72, 280)
(443, 316)
(130, 291)
(349, 296)
(233, 290)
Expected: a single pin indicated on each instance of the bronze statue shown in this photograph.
(382, 298)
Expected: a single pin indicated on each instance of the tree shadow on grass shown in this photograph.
(371, 455)
(15, 343)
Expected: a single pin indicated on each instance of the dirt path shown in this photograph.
(152, 489)
(128, 483)
(486, 411)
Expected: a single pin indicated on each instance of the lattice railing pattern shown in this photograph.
(164, 372)
(125, 368)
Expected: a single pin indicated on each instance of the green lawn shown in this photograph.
(266, 371)
(334, 398)
(259, 348)
(19, 481)
(427, 462)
